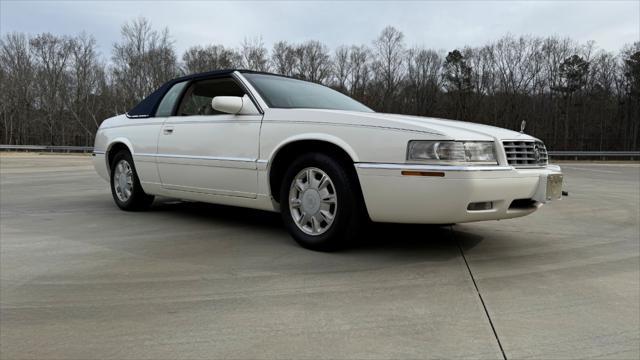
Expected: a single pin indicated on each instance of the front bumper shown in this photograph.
(100, 164)
(442, 194)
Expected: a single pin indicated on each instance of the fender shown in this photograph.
(311, 136)
(112, 142)
(121, 140)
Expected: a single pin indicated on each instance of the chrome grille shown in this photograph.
(526, 153)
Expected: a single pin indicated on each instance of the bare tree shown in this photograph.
(360, 74)
(313, 61)
(16, 88)
(423, 79)
(143, 60)
(509, 69)
(631, 71)
(51, 55)
(631, 68)
(283, 58)
(87, 81)
(342, 68)
(56, 89)
(390, 53)
(201, 59)
(254, 55)
(602, 88)
(517, 63)
(573, 75)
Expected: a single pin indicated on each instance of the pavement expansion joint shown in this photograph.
(475, 284)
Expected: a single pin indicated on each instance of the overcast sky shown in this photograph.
(441, 25)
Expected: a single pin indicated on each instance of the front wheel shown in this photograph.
(125, 184)
(319, 203)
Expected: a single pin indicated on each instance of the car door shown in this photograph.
(203, 150)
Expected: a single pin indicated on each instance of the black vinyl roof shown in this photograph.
(148, 106)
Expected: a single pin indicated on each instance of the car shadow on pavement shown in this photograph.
(435, 241)
(229, 214)
(416, 236)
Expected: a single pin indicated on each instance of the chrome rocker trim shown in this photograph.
(432, 167)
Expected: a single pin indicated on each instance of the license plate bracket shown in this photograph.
(554, 187)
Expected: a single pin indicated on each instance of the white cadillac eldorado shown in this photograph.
(326, 162)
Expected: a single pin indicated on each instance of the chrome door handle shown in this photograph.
(168, 130)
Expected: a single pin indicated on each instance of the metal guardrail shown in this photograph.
(575, 154)
(595, 153)
(46, 148)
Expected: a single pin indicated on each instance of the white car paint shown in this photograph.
(227, 159)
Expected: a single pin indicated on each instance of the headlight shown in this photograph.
(452, 152)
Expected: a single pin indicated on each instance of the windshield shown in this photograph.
(287, 93)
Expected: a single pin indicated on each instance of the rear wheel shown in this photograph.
(125, 184)
(319, 203)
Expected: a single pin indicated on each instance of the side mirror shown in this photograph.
(234, 105)
(227, 104)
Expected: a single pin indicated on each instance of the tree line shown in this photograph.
(55, 90)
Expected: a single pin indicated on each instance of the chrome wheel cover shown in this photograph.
(313, 203)
(123, 180)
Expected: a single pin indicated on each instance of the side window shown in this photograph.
(197, 99)
(169, 100)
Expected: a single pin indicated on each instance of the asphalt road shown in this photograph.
(81, 279)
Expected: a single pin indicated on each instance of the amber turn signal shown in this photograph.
(422, 173)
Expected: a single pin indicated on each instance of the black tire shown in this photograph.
(349, 212)
(138, 200)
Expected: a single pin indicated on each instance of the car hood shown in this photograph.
(450, 129)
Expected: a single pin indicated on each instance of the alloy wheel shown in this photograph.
(123, 180)
(313, 203)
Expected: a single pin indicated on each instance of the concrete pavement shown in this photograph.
(81, 279)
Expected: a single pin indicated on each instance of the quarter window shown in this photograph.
(169, 100)
(197, 99)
